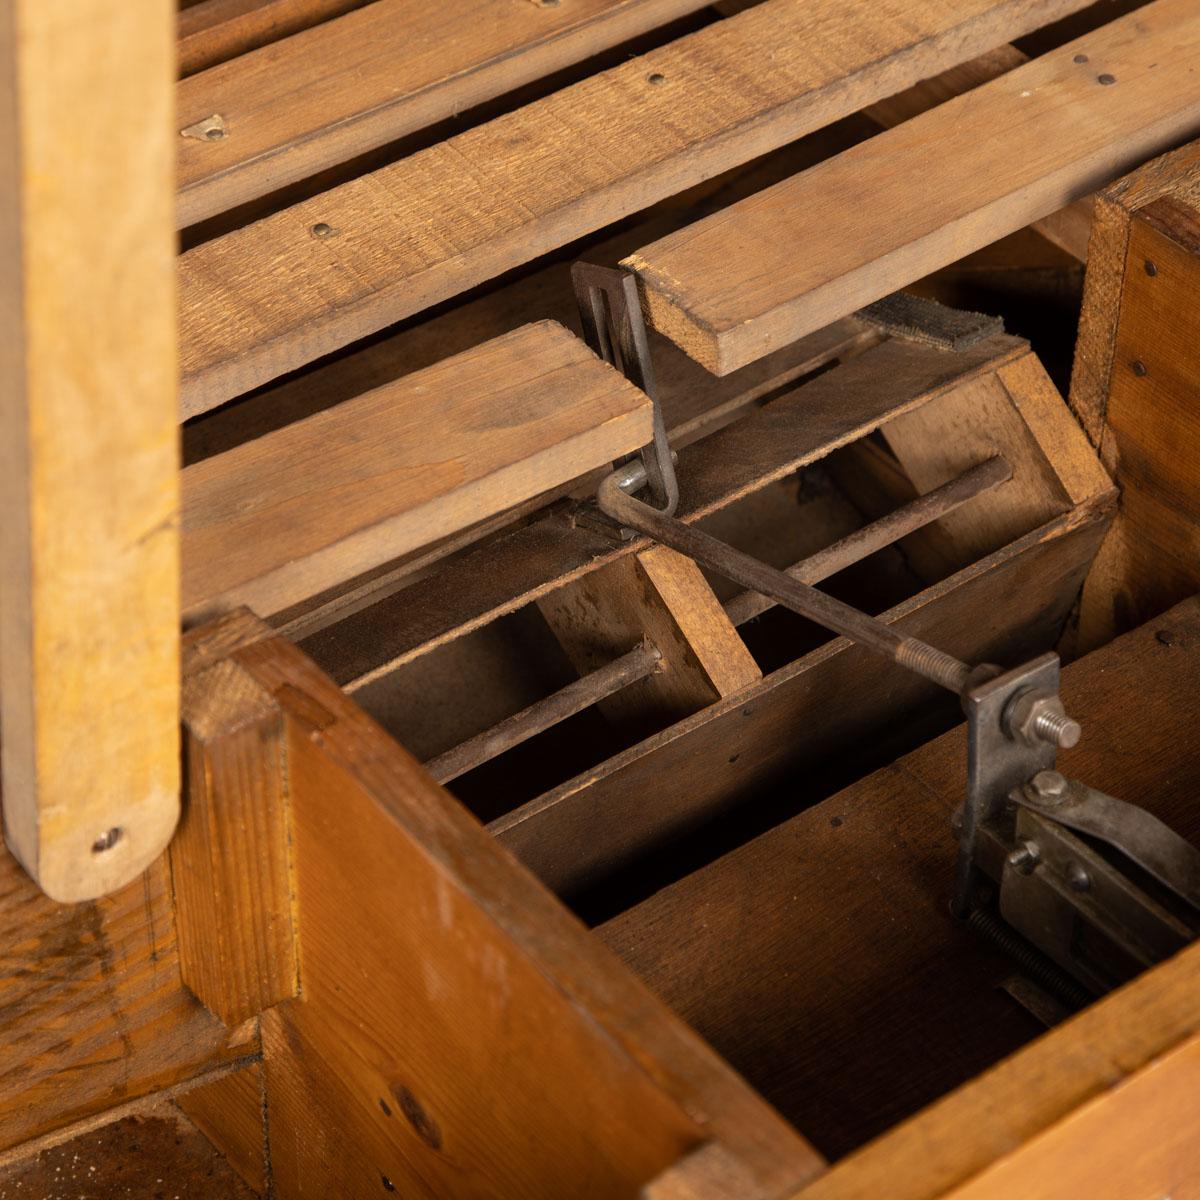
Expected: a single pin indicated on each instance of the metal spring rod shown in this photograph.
(728, 561)
(644, 659)
(544, 714)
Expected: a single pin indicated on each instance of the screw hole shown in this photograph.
(215, 134)
(1151, 268)
(656, 78)
(388, 1185)
(1081, 58)
(1106, 79)
(1138, 368)
(107, 840)
(322, 230)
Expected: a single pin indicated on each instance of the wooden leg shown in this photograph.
(89, 567)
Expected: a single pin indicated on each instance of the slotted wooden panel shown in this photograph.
(279, 518)
(269, 297)
(347, 86)
(1056, 128)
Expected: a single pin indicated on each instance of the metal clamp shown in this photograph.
(611, 313)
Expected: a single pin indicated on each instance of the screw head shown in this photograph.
(1078, 879)
(1049, 785)
(1025, 857)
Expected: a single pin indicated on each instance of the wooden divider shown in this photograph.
(267, 298)
(89, 475)
(1059, 127)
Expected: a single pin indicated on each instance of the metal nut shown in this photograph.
(1036, 717)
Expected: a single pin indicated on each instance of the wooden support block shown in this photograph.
(1058, 127)
(89, 479)
(287, 515)
(660, 597)
(436, 971)
(230, 858)
(285, 290)
(388, 69)
(231, 1112)
(1136, 387)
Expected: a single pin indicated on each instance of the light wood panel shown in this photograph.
(1136, 383)
(1057, 128)
(280, 518)
(231, 1113)
(437, 975)
(274, 295)
(89, 480)
(340, 89)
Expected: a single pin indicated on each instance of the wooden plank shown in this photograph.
(348, 86)
(395, 1077)
(89, 547)
(95, 1012)
(792, 430)
(660, 597)
(214, 31)
(1135, 384)
(231, 1113)
(267, 298)
(1058, 128)
(292, 513)
(1010, 604)
(230, 863)
(989, 1120)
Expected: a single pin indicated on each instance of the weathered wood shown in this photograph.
(214, 31)
(1011, 603)
(1135, 387)
(1057, 128)
(231, 1113)
(822, 961)
(287, 515)
(330, 93)
(794, 429)
(230, 859)
(365, 1082)
(95, 1012)
(267, 298)
(661, 597)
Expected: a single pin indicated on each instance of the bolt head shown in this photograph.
(1048, 785)
(1025, 857)
(1078, 879)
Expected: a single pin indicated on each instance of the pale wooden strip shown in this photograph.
(89, 611)
(283, 291)
(348, 86)
(927, 192)
(290, 514)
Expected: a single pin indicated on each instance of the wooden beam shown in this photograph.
(1135, 388)
(267, 298)
(386, 70)
(89, 558)
(396, 1071)
(1058, 127)
(661, 597)
(287, 515)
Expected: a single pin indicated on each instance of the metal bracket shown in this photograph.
(611, 313)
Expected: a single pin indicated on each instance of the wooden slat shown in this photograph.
(216, 30)
(274, 295)
(286, 515)
(230, 1112)
(89, 480)
(822, 960)
(1135, 386)
(1056, 129)
(348, 86)
(437, 974)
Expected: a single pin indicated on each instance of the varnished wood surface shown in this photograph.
(1058, 127)
(822, 961)
(381, 1071)
(270, 297)
(89, 474)
(347, 86)
(287, 515)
